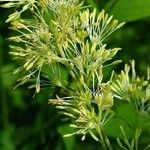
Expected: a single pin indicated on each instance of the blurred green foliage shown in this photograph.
(126, 10)
(28, 123)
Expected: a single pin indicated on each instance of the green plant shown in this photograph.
(62, 44)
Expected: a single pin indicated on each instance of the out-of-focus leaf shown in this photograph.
(91, 3)
(69, 142)
(6, 140)
(130, 10)
(8, 80)
(17, 99)
(126, 111)
(112, 128)
(23, 133)
(125, 116)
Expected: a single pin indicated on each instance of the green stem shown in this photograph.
(107, 141)
(102, 142)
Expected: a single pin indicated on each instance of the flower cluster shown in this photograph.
(63, 34)
(134, 89)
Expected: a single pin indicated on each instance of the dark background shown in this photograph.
(28, 123)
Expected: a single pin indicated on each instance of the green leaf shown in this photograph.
(69, 142)
(131, 10)
(147, 147)
(57, 74)
(8, 80)
(125, 116)
(6, 140)
(18, 102)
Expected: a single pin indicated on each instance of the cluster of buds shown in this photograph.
(133, 89)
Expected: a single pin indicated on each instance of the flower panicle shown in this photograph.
(134, 89)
